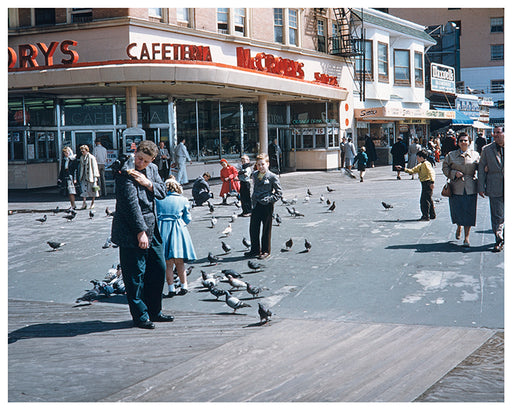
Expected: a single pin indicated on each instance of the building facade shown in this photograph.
(227, 80)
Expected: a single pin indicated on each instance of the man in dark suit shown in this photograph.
(491, 183)
(135, 230)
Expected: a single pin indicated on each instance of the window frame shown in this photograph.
(422, 68)
(293, 29)
(219, 22)
(236, 15)
(400, 81)
(369, 74)
(279, 28)
(178, 15)
(498, 26)
(495, 84)
(323, 36)
(494, 54)
(383, 78)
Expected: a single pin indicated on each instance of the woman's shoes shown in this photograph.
(458, 232)
(84, 206)
(92, 206)
(466, 244)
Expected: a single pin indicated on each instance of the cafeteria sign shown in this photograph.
(442, 78)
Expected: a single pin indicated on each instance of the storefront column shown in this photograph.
(131, 107)
(263, 123)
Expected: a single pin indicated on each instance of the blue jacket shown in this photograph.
(267, 190)
(135, 208)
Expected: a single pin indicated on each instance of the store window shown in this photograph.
(230, 129)
(418, 69)
(250, 126)
(90, 111)
(383, 62)
(497, 52)
(278, 26)
(402, 67)
(364, 62)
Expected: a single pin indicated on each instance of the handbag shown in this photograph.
(447, 190)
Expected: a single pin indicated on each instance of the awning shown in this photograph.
(460, 118)
(481, 126)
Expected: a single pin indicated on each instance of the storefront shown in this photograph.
(225, 100)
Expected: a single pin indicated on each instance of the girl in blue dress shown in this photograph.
(173, 217)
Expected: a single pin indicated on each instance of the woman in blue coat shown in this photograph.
(173, 217)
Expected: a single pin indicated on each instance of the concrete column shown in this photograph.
(263, 124)
(131, 107)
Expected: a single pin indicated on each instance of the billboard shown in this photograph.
(442, 78)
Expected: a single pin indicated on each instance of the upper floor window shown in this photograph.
(364, 62)
(81, 15)
(222, 20)
(496, 24)
(497, 86)
(239, 19)
(182, 14)
(402, 69)
(44, 16)
(320, 35)
(418, 69)
(293, 23)
(278, 26)
(383, 60)
(497, 52)
(155, 12)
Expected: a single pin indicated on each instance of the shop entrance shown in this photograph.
(287, 144)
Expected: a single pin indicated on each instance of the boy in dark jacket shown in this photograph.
(201, 190)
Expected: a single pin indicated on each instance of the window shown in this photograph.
(239, 22)
(320, 34)
(155, 12)
(497, 52)
(44, 16)
(293, 27)
(418, 69)
(278, 26)
(222, 20)
(383, 61)
(81, 15)
(496, 24)
(182, 15)
(497, 86)
(364, 62)
(402, 67)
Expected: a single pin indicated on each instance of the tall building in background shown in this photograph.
(480, 63)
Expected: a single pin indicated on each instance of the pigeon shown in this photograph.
(108, 243)
(42, 220)
(213, 222)
(386, 206)
(91, 214)
(290, 211)
(288, 244)
(306, 200)
(90, 295)
(309, 193)
(235, 303)
(55, 245)
(212, 259)
(208, 281)
(56, 210)
(211, 207)
(330, 189)
(246, 243)
(227, 231)
(217, 292)
(236, 283)
(278, 220)
(254, 265)
(333, 206)
(294, 200)
(71, 216)
(108, 212)
(225, 247)
(234, 216)
(238, 204)
(328, 202)
(322, 198)
(307, 245)
(264, 313)
(231, 272)
(284, 201)
(296, 214)
(254, 290)
(189, 270)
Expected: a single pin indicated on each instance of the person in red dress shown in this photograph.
(229, 177)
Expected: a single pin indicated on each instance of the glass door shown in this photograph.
(83, 138)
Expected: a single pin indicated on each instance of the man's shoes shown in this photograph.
(251, 254)
(424, 218)
(147, 324)
(264, 256)
(182, 292)
(244, 215)
(169, 295)
(432, 216)
(498, 246)
(162, 318)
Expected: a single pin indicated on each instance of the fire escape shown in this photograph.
(348, 42)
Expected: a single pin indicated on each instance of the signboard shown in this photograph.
(469, 106)
(442, 78)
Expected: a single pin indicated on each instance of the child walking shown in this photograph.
(362, 160)
(427, 176)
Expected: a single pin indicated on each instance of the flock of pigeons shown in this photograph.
(113, 283)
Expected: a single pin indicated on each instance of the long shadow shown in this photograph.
(397, 220)
(446, 247)
(66, 329)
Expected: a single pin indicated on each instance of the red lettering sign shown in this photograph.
(167, 51)
(326, 79)
(269, 63)
(27, 54)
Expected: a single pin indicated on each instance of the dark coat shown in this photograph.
(398, 152)
(136, 208)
